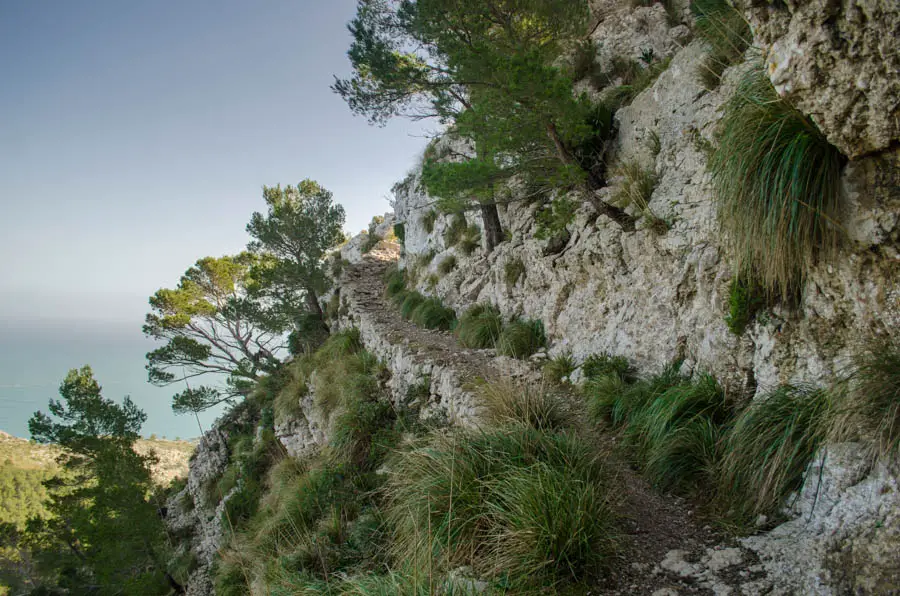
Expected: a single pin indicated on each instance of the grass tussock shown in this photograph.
(727, 34)
(520, 339)
(432, 314)
(869, 408)
(513, 271)
(507, 401)
(597, 366)
(671, 425)
(447, 265)
(479, 327)
(456, 231)
(516, 503)
(777, 181)
(768, 449)
(394, 282)
(557, 369)
(428, 220)
(745, 299)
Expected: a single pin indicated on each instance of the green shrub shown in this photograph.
(340, 344)
(400, 232)
(518, 503)
(513, 271)
(456, 231)
(778, 186)
(428, 220)
(870, 409)
(584, 59)
(447, 265)
(769, 447)
(601, 365)
(677, 433)
(727, 34)
(745, 298)
(432, 314)
(426, 258)
(479, 327)
(521, 339)
(395, 281)
(553, 218)
(410, 303)
(557, 370)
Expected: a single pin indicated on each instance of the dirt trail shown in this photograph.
(668, 551)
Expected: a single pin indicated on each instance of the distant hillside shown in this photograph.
(24, 454)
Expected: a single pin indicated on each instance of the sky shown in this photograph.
(135, 138)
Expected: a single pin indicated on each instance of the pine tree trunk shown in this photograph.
(616, 214)
(493, 231)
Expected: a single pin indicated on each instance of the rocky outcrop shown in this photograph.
(195, 513)
(659, 293)
(837, 62)
(844, 537)
(654, 295)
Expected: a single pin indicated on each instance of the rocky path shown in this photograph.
(668, 550)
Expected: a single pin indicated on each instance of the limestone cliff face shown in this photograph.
(654, 296)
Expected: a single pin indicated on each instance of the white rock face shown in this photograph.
(838, 62)
(844, 537)
(304, 435)
(654, 297)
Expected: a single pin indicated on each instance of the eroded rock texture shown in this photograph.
(838, 62)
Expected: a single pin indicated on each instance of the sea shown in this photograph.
(35, 357)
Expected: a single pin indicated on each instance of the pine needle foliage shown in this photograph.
(777, 182)
(479, 327)
(768, 449)
(522, 338)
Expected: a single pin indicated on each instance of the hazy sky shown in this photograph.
(135, 137)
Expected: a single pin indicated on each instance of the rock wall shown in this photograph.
(655, 295)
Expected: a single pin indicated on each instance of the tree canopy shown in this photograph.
(290, 241)
(103, 534)
(213, 327)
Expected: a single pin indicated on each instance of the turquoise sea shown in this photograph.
(35, 357)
